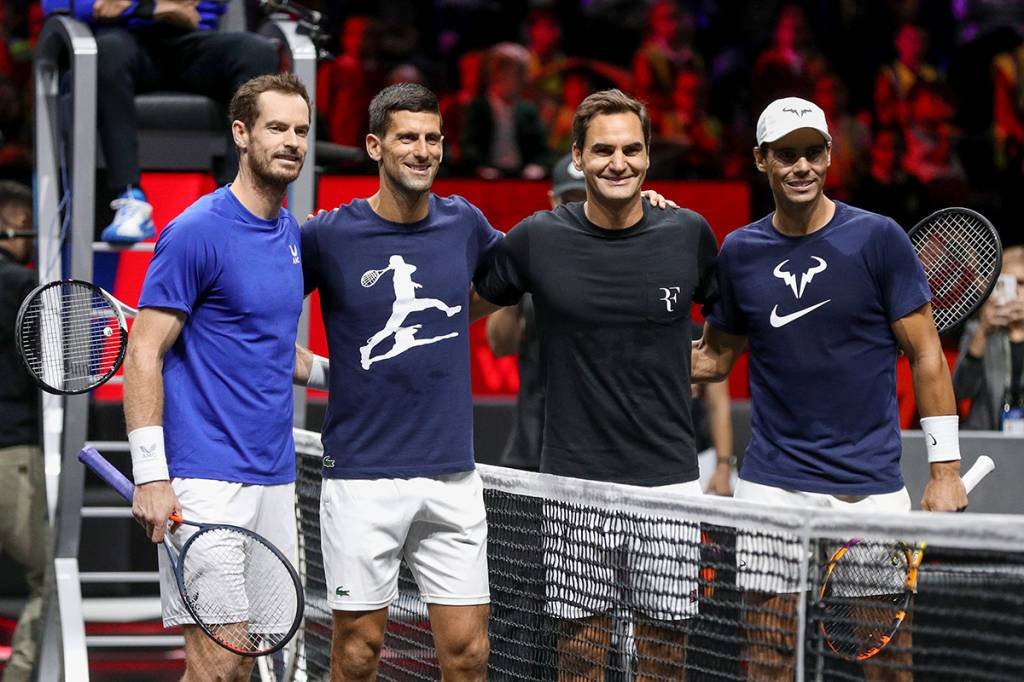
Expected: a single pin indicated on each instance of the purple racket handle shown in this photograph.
(105, 470)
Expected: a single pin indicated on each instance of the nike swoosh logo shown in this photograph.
(782, 320)
(932, 438)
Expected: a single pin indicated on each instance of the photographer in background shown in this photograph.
(989, 371)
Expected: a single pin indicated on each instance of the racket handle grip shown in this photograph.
(112, 476)
(979, 470)
(105, 470)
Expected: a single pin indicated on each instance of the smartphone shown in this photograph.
(1006, 288)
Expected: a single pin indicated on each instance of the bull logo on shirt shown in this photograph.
(406, 303)
(805, 278)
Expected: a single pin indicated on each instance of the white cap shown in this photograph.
(785, 115)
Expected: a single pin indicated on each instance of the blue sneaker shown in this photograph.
(133, 220)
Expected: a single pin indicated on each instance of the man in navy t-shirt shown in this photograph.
(394, 274)
(825, 295)
(204, 378)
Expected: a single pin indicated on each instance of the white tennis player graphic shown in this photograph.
(405, 303)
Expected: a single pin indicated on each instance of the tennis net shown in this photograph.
(617, 581)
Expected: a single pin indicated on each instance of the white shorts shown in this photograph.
(771, 562)
(438, 525)
(266, 510)
(651, 565)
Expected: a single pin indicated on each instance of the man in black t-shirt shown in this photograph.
(612, 283)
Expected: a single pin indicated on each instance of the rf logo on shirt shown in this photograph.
(778, 320)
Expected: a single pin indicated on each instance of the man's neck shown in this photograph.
(798, 220)
(400, 207)
(614, 216)
(261, 199)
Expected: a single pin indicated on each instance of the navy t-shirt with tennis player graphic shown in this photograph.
(395, 301)
(228, 377)
(818, 313)
(613, 315)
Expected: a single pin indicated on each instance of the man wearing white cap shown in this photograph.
(826, 295)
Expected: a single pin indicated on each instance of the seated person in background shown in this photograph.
(503, 133)
(164, 45)
(989, 371)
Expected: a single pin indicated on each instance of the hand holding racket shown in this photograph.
(238, 587)
(962, 256)
(868, 586)
(71, 335)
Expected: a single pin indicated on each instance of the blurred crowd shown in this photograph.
(924, 97)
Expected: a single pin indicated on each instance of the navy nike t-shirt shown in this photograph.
(395, 301)
(817, 311)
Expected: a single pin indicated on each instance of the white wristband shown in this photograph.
(149, 462)
(942, 437)
(319, 373)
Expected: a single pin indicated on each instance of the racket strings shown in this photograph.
(864, 597)
(961, 259)
(240, 591)
(70, 336)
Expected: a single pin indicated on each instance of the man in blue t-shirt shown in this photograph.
(394, 274)
(826, 295)
(207, 398)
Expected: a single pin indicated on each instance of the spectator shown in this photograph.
(346, 84)
(896, 80)
(546, 63)
(1008, 110)
(503, 133)
(887, 188)
(693, 136)
(666, 50)
(852, 138)
(788, 67)
(175, 46)
(454, 105)
(23, 523)
(990, 371)
(931, 152)
(577, 84)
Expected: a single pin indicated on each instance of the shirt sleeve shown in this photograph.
(904, 284)
(486, 237)
(185, 264)
(707, 256)
(500, 278)
(722, 311)
(310, 256)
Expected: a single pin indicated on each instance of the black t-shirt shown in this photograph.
(19, 400)
(613, 316)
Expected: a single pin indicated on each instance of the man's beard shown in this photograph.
(263, 174)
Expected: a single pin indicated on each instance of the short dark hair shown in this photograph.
(245, 105)
(400, 97)
(15, 194)
(612, 101)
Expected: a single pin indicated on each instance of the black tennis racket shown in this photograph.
(240, 589)
(71, 335)
(962, 256)
(867, 588)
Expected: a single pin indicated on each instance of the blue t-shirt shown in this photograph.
(817, 311)
(395, 301)
(228, 377)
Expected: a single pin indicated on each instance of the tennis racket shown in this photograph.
(962, 256)
(370, 277)
(239, 588)
(71, 335)
(868, 586)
